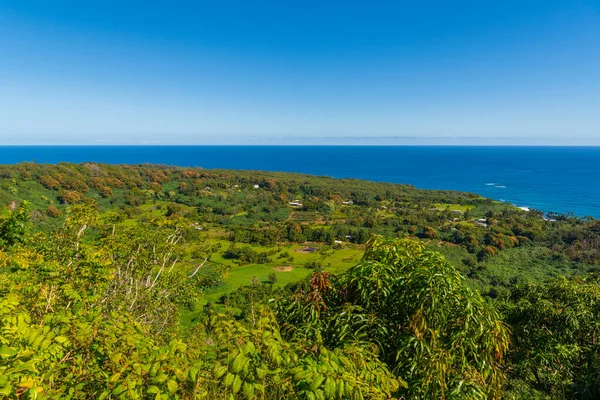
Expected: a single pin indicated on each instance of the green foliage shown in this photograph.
(314, 264)
(257, 362)
(14, 226)
(424, 322)
(452, 342)
(89, 311)
(556, 328)
(246, 255)
(81, 355)
(97, 272)
(272, 278)
(417, 312)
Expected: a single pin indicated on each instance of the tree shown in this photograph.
(416, 311)
(556, 337)
(272, 278)
(14, 226)
(53, 212)
(69, 196)
(106, 192)
(429, 232)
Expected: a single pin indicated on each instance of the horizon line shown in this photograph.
(317, 141)
(142, 144)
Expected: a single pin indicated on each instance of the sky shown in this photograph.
(309, 72)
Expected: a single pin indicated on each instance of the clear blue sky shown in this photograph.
(262, 71)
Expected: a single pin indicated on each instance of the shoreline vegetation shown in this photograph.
(543, 178)
(152, 281)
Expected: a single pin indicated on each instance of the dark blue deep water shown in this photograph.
(557, 179)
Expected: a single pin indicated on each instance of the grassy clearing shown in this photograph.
(334, 261)
(453, 207)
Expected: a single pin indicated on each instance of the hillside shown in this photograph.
(165, 282)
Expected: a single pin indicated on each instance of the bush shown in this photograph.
(429, 233)
(469, 261)
(246, 255)
(69, 196)
(53, 212)
(272, 278)
(313, 265)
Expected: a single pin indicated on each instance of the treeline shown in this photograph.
(91, 310)
(254, 208)
(247, 255)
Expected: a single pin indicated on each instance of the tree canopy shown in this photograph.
(163, 283)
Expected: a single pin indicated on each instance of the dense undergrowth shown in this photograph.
(364, 290)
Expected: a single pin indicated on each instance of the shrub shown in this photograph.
(53, 212)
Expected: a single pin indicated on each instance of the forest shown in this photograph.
(161, 282)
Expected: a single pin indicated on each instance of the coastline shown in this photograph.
(549, 179)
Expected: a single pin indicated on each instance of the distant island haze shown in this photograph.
(220, 140)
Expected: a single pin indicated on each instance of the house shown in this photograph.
(481, 222)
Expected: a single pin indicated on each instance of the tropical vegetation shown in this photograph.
(165, 282)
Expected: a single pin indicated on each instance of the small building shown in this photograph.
(256, 186)
(295, 204)
(349, 202)
(309, 249)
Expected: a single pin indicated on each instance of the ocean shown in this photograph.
(550, 179)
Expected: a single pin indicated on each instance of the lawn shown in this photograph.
(453, 207)
(334, 261)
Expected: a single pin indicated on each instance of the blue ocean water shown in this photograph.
(550, 179)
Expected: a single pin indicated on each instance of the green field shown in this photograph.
(333, 261)
(453, 207)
